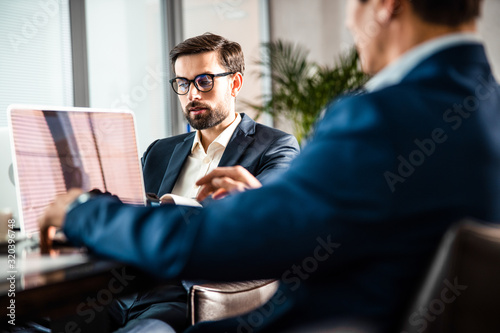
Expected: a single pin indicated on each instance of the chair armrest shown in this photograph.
(216, 301)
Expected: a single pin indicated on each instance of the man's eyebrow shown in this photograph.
(183, 77)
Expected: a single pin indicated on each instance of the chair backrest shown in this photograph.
(461, 292)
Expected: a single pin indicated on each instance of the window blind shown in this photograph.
(35, 54)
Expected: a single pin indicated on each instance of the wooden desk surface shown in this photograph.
(62, 285)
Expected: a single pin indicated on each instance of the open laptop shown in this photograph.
(58, 148)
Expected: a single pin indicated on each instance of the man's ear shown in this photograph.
(236, 84)
(387, 9)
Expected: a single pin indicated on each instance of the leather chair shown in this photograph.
(461, 292)
(215, 301)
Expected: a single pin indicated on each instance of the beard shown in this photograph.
(212, 117)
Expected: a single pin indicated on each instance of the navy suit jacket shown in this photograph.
(350, 227)
(260, 149)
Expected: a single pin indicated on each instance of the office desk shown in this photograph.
(70, 287)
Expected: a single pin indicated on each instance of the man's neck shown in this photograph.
(210, 134)
(411, 35)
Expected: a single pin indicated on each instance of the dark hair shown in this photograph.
(229, 53)
(446, 12)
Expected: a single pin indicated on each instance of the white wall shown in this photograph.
(489, 29)
(319, 26)
(126, 63)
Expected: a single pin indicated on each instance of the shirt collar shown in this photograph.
(396, 71)
(222, 139)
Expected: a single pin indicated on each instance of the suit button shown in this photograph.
(206, 160)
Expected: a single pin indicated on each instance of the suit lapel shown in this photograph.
(240, 140)
(181, 152)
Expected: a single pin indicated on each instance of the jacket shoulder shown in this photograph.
(251, 127)
(273, 137)
(167, 143)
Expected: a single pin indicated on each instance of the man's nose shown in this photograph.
(193, 92)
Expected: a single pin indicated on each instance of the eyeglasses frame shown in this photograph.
(193, 81)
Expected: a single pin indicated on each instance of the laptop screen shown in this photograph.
(55, 150)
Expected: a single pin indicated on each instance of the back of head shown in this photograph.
(229, 53)
(446, 12)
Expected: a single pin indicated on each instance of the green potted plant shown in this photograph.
(301, 88)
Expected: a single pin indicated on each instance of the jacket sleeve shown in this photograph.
(320, 206)
(145, 155)
(277, 157)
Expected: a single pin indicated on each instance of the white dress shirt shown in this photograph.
(396, 71)
(199, 163)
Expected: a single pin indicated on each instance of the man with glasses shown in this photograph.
(208, 77)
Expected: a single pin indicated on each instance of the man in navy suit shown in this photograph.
(209, 75)
(350, 227)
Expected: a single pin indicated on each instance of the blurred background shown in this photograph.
(114, 53)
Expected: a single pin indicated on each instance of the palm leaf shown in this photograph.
(300, 88)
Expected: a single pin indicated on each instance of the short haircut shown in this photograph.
(446, 12)
(229, 53)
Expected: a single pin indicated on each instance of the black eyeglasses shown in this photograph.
(202, 82)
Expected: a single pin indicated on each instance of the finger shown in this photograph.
(205, 191)
(207, 179)
(228, 184)
(46, 239)
(44, 242)
(235, 172)
(220, 185)
(219, 194)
